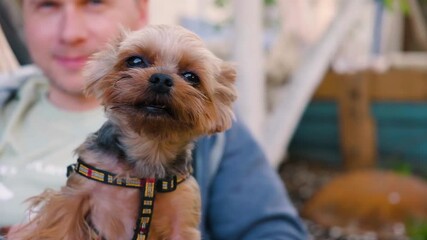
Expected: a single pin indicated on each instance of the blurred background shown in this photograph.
(334, 90)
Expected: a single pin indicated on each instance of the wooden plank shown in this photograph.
(357, 130)
(399, 85)
(250, 68)
(317, 134)
(393, 85)
(329, 87)
(400, 113)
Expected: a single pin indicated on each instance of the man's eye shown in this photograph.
(47, 4)
(136, 62)
(96, 1)
(192, 78)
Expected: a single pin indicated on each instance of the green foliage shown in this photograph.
(223, 3)
(269, 2)
(403, 5)
(402, 168)
(417, 229)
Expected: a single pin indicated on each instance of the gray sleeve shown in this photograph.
(247, 198)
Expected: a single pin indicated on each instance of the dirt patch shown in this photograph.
(303, 179)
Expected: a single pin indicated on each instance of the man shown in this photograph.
(48, 116)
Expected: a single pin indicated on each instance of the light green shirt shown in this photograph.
(37, 143)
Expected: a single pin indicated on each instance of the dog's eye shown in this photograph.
(192, 78)
(136, 61)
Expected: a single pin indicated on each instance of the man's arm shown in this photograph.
(247, 198)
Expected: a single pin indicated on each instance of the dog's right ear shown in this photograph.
(100, 65)
(225, 95)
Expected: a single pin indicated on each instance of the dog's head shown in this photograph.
(163, 80)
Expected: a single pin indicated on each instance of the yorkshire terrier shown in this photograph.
(161, 89)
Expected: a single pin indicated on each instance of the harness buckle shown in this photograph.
(70, 169)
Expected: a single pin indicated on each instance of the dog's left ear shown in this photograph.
(100, 65)
(225, 95)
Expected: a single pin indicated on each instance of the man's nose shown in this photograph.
(72, 28)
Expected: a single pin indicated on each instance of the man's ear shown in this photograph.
(101, 64)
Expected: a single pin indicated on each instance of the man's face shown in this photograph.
(62, 34)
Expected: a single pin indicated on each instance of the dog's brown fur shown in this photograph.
(137, 142)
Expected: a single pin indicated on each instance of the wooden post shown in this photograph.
(357, 128)
(248, 54)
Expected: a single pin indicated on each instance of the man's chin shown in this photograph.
(69, 86)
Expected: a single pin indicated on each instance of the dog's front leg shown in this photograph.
(177, 214)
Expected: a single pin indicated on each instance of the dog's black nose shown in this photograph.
(161, 83)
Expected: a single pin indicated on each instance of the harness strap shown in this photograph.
(145, 211)
(148, 188)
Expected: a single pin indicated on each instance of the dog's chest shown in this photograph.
(114, 211)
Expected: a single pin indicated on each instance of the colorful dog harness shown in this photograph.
(148, 187)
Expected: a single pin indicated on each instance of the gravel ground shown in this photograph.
(303, 179)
